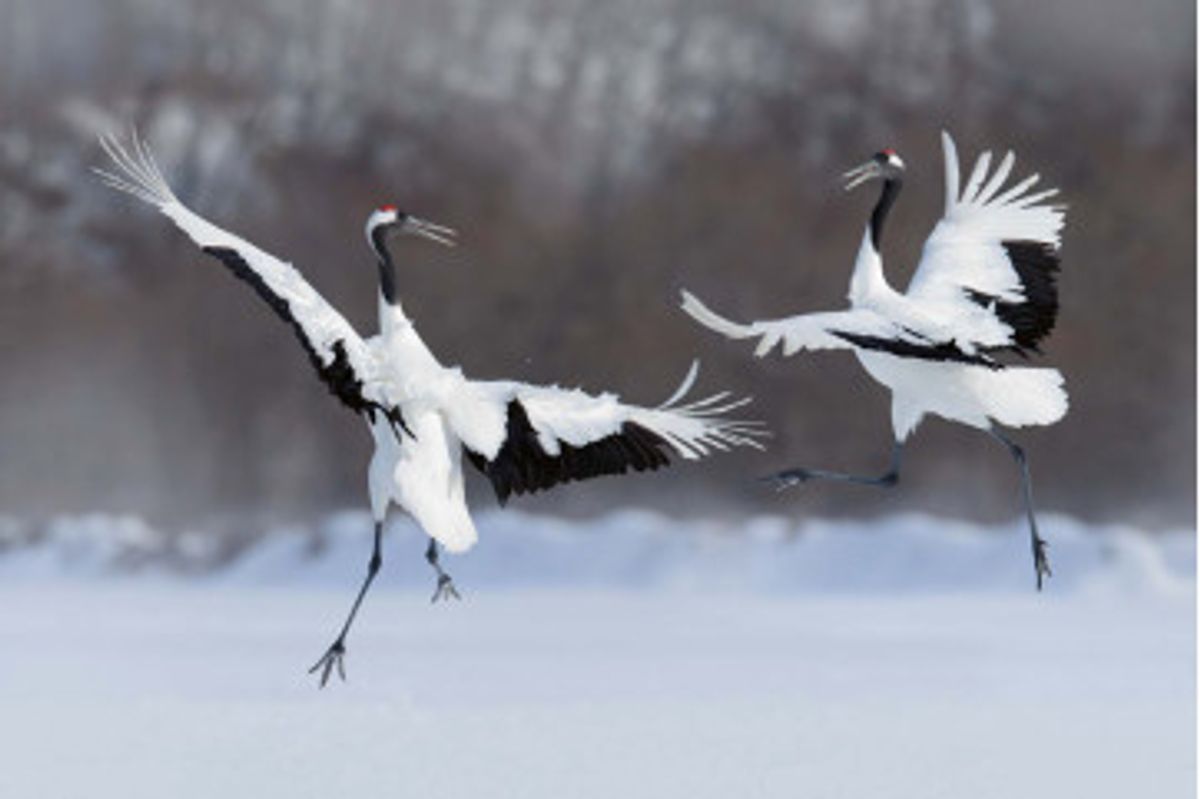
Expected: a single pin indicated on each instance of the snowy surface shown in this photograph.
(629, 657)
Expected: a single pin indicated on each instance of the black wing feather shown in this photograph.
(1037, 266)
(523, 467)
(338, 375)
(931, 351)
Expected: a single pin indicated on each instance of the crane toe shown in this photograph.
(1041, 561)
(788, 478)
(445, 589)
(333, 659)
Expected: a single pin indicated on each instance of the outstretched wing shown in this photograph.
(526, 438)
(337, 352)
(855, 328)
(815, 331)
(992, 260)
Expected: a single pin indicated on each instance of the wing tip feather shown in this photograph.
(700, 312)
(950, 156)
(136, 172)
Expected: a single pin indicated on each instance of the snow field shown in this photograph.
(631, 656)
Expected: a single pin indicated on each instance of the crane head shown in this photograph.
(388, 219)
(885, 164)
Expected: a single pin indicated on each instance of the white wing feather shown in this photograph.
(815, 331)
(965, 249)
(478, 415)
(320, 324)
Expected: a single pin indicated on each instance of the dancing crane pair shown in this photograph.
(985, 287)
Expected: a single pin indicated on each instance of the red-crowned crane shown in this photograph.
(423, 416)
(985, 286)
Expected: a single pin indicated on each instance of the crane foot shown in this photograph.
(445, 589)
(1041, 561)
(334, 658)
(788, 478)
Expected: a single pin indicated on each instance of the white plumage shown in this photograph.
(425, 416)
(985, 286)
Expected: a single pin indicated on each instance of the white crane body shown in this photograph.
(425, 417)
(985, 286)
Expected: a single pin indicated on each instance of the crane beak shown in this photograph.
(860, 174)
(443, 235)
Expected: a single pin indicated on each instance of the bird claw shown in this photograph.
(889, 480)
(334, 658)
(445, 589)
(1041, 561)
(788, 479)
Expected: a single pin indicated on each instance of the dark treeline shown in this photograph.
(596, 157)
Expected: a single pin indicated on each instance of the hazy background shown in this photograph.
(597, 157)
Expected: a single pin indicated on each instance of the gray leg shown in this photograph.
(791, 477)
(445, 586)
(333, 657)
(1041, 563)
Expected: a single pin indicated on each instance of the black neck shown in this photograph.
(387, 270)
(891, 189)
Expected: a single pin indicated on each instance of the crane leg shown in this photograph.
(445, 585)
(792, 477)
(1041, 562)
(334, 656)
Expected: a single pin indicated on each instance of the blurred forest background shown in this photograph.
(596, 156)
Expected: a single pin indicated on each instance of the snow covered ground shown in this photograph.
(629, 657)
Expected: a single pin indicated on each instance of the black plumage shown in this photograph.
(932, 351)
(522, 466)
(338, 375)
(1037, 266)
